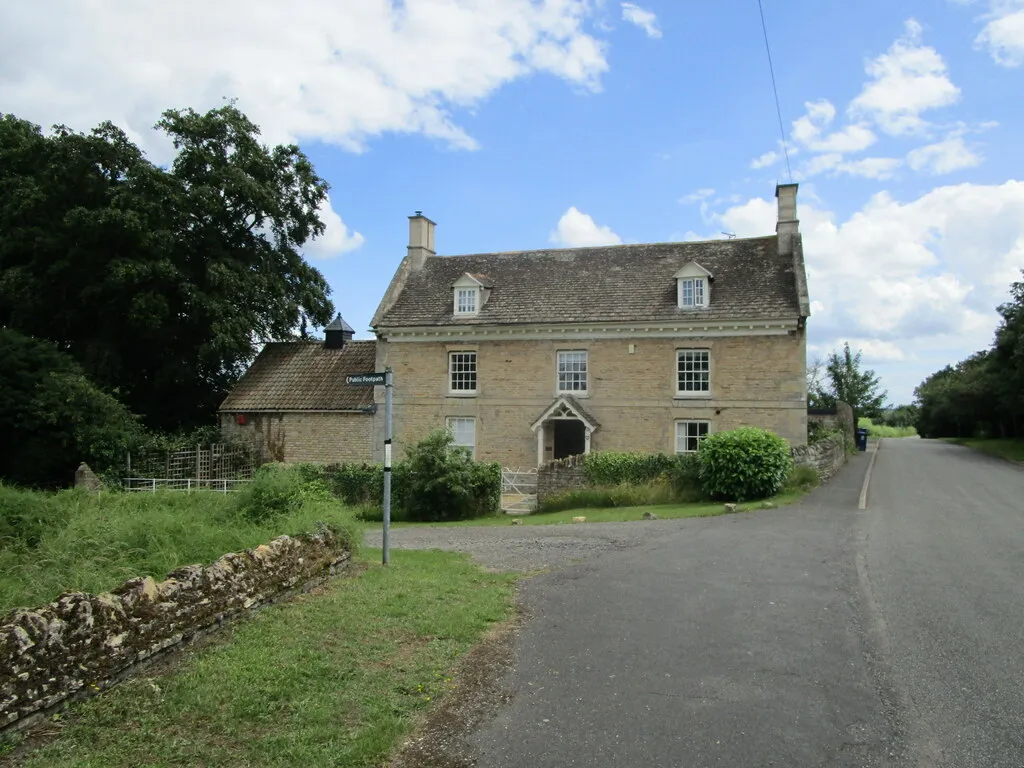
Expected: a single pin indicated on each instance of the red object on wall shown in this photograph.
(240, 418)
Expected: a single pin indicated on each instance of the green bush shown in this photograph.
(801, 478)
(442, 482)
(609, 468)
(437, 481)
(744, 464)
(280, 490)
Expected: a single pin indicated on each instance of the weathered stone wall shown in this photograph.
(560, 475)
(840, 417)
(826, 456)
(324, 438)
(755, 381)
(82, 643)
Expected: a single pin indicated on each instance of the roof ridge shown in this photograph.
(617, 246)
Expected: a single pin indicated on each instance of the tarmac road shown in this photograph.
(814, 635)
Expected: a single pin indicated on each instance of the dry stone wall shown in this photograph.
(826, 456)
(82, 643)
(560, 475)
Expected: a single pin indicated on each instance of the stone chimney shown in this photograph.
(421, 239)
(337, 334)
(788, 225)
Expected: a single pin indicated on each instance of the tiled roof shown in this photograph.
(304, 376)
(621, 283)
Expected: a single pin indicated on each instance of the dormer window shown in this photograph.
(470, 294)
(693, 289)
(465, 301)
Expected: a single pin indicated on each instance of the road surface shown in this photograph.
(814, 635)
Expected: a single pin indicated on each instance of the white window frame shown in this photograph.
(699, 287)
(451, 424)
(695, 424)
(454, 374)
(676, 373)
(471, 295)
(585, 372)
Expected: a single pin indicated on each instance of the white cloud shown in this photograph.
(951, 154)
(1003, 35)
(338, 72)
(766, 160)
(643, 18)
(576, 230)
(908, 80)
(833, 164)
(904, 277)
(698, 196)
(337, 237)
(820, 115)
(853, 138)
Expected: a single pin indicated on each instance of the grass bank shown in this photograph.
(881, 430)
(615, 514)
(76, 541)
(336, 677)
(1011, 450)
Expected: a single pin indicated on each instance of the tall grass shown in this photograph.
(881, 430)
(77, 541)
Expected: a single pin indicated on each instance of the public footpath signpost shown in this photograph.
(381, 379)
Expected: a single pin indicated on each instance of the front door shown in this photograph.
(570, 437)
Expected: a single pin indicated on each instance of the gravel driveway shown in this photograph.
(531, 547)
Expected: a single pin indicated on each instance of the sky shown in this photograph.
(524, 124)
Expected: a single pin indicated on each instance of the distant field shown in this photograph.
(880, 430)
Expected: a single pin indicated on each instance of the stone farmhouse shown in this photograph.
(538, 355)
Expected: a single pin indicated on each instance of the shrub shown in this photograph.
(801, 478)
(684, 477)
(610, 468)
(442, 482)
(744, 464)
(280, 490)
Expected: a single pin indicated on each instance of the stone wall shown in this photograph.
(840, 417)
(826, 456)
(560, 475)
(81, 643)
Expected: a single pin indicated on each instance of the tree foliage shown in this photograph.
(982, 395)
(52, 416)
(159, 282)
(845, 381)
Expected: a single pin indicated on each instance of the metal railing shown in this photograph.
(187, 484)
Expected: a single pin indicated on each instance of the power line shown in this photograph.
(775, 90)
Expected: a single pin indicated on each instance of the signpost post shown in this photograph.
(385, 379)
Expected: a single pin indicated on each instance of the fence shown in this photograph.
(188, 484)
(218, 467)
(518, 481)
(218, 461)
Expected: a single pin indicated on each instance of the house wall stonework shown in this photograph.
(755, 381)
(324, 438)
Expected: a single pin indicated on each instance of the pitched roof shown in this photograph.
(620, 283)
(304, 376)
(339, 324)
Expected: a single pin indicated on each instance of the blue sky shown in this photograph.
(519, 124)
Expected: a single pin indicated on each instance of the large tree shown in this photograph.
(160, 283)
(847, 382)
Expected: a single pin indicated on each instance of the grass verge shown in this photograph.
(336, 677)
(1011, 450)
(616, 514)
(77, 541)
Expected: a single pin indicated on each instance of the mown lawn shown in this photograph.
(335, 678)
(1012, 450)
(613, 514)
